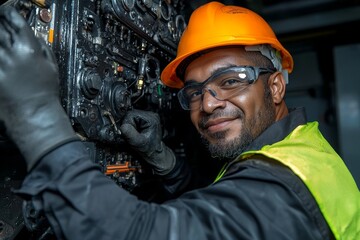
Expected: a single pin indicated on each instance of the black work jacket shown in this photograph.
(255, 199)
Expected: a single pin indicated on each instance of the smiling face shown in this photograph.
(228, 126)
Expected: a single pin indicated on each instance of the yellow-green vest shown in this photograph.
(307, 153)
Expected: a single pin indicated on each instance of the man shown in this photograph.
(282, 179)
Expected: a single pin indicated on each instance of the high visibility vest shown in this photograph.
(307, 153)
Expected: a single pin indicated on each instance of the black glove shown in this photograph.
(29, 87)
(142, 130)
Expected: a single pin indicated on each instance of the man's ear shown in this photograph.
(277, 87)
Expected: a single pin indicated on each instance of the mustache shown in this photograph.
(219, 113)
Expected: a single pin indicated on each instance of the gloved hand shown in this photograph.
(142, 130)
(29, 103)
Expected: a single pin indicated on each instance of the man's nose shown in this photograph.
(210, 101)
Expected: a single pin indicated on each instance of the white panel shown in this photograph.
(347, 68)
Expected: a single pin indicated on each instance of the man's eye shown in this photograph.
(232, 82)
(193, 93)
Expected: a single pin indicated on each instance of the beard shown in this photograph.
(252, 128)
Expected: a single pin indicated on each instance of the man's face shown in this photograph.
(228, 126)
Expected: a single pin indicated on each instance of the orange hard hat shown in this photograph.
(215, 25)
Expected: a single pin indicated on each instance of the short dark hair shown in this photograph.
(259, 60)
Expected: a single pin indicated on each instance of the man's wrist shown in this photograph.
(164, 161)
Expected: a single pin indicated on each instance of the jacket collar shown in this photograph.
(280, 129)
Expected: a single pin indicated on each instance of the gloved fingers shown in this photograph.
(7, 31)
(9, 15)
(131, 135)
(137, 119)
(5, 44)
(142, 120)
(49, 54)
(3, 57)
(130, 118)
(5, 36)
(22, 38)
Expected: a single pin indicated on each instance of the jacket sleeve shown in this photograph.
(184, 178)
(81, 203)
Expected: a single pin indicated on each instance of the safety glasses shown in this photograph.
(222, 85)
